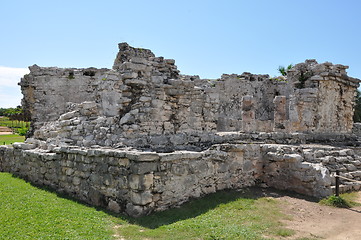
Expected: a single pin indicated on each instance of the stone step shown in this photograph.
(344, 188)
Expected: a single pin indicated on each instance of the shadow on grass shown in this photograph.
(191, 209)
(196, 207)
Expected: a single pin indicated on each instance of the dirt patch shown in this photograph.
(311, 220)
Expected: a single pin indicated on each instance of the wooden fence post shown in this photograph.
(337, 183)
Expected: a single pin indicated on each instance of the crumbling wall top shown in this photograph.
(307, 74)
(144, 101)
(127, 53)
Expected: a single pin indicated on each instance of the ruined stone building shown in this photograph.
(142, 137)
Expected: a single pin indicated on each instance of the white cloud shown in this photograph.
(10, 98)
(11, 76)
(10, 94)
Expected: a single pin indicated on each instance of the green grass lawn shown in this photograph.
(27, 212)
(223, 215)
(31, 213)
(11, 138)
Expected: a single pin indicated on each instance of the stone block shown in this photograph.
(304, 166)
(159, 140)
(129, 75)
(142, 156)
(180, 155)
(140, 182)
(134, 210)
(143, 167)
(114, 206)
(76, 181)
(292, 158)
(68, 115)
(280, 113)
(141, 198)
(347, 152)
(350, 167)
(95, 197)
(24, 146)
(179, 169)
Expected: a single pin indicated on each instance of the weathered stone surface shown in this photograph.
(141, 137)
(154, 102)
(141, 198)
(114, 206)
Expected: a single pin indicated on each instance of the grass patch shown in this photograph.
(351, 199)
(10, 139)
(283, 232)
(31, 213)
(345, 200)
(336, 201)
(28, 212)
(223, 215)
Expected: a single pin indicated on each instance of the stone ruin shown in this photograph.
(142, 137)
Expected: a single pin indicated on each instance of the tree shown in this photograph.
(2, 111)
(14, 114)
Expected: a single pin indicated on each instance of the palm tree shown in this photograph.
(283, 70)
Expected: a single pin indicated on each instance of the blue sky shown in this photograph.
(206, 38)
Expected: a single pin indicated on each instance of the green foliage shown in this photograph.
(22, 131)
(3, 111)
(357, 112)
(12, 113)
(304, 76)
(6, 122)
(10, 139)
(336, 201)
(283, 71)
(71, 75)
(351, 198)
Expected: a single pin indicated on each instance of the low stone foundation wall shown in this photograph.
(131, 181)
(138, 183)
(286, 168)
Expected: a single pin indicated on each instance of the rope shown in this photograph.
(348, 179)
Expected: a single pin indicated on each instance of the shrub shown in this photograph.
(22, 131)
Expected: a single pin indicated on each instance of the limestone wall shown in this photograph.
(323, 100)
(141, 137)
(232, 88)
(140, 182)
(287, 169)
(48, 90)
(130, 181)
(144, 95)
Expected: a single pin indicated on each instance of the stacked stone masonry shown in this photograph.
(142, 137)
